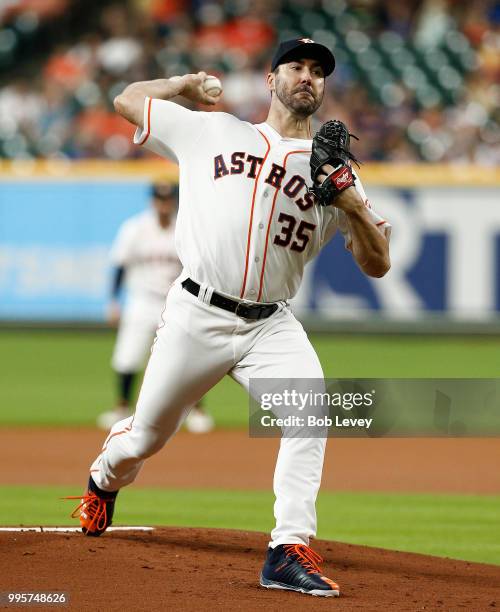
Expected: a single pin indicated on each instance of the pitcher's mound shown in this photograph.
(215, 569)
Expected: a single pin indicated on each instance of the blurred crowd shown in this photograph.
(415, 80)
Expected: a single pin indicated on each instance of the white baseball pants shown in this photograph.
(196, 345)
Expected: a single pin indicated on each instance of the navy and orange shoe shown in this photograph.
(95, 510)
(295, 567)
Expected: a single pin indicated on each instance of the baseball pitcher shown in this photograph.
(257, 202)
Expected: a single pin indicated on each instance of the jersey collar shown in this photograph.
(276, 137)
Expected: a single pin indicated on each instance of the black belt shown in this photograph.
(242, 309)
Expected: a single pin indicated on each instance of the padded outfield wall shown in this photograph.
(57, 221)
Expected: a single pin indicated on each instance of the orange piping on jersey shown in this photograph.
(270, 220)
(148, 123)
(243, 286)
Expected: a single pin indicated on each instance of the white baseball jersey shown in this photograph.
(147, 252)
(247, 224)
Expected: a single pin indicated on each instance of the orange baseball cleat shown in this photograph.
(95, 510)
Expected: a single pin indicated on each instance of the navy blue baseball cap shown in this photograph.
(304, 48)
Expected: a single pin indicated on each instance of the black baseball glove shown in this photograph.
(331, 145)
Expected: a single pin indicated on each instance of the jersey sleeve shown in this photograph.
(170, 130)
(122, 250)
(338, 220)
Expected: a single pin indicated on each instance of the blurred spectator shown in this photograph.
(120, 49)
(416, 80)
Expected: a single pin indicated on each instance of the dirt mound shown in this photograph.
(212, 569)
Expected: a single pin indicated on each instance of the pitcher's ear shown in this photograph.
(271, 77)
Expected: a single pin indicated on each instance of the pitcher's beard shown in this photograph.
(301, 106)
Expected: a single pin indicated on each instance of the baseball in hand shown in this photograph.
(212, 86)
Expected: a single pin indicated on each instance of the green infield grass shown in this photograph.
(456, 526)
(64, 378)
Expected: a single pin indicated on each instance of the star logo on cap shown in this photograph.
(306, 40)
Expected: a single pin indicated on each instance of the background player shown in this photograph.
(145, 260)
